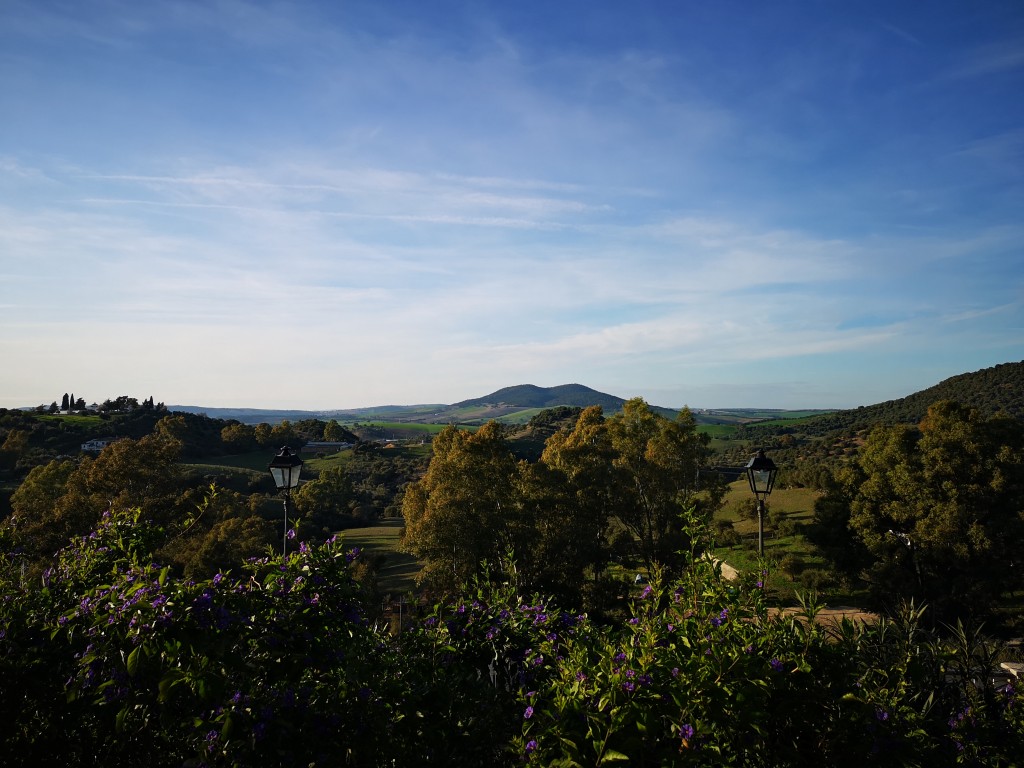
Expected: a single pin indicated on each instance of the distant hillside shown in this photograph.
(244, 415)
(530, 396)
(990, 390)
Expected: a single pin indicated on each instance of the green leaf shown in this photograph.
(133, 661)
(611, 756)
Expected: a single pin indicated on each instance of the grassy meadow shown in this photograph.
(794, 562)
(396, 574)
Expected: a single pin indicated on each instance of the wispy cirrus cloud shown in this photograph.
(623, 198)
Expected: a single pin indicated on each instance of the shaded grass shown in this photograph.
(257, 461)
(397, 570)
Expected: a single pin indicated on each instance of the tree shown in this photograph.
(34, 501)
(283, 433)
(64, 402)
(660, 462)
(941, 507)
(262, 433)
(333, 431)
(458, 515)
(59, 503)
(326, 501)
(228, 542)
(589, 489)
(238, 437)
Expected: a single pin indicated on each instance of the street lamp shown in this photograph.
(285, 469)
(761, 472)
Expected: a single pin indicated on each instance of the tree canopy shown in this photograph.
(941, 507)
(603, 488)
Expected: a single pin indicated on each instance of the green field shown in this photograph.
(74, 420)
(255, 460)
(717, 430)
(397, 571)
(520, 417)
(795, 506)
(395, 427)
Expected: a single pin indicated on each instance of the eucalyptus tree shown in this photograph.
(659, 465)
(457, 515)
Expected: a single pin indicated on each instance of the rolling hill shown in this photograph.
(990, 390)
(530, 396)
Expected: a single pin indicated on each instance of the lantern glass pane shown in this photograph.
(760, 479)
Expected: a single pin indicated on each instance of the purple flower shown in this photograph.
(290, 534)
(218, 578)
(530, 746)
(620, 657)
(634, 621)
(528, 713)
(675, 671)
(759, 585)
(646, 593)
(629, 686)
(686, 731)
(776, 665)
(881, 715)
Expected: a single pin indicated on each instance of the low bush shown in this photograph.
(113, 660)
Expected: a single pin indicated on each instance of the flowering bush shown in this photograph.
(115, 660)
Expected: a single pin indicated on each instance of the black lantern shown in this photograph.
(761, 473)
(285, 469)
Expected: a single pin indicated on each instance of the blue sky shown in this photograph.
(334, 204)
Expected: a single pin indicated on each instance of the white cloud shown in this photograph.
(475, 201)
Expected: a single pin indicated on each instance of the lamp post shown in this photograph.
(761, 472)
(285, 469)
